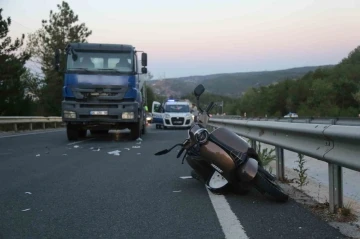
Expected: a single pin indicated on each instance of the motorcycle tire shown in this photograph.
(239, 189)
(265, 184)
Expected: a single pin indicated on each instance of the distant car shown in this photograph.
(291, 115)
(149, 117)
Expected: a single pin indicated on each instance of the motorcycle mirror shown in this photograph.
(199, 90)
(165, 151)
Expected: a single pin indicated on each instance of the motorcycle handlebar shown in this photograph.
(210, 106)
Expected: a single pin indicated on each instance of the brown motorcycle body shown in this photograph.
(223, 151)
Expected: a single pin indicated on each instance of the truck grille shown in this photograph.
(98, 117)
(103, 106)
(177, 120)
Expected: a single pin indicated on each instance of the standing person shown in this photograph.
(195, 112)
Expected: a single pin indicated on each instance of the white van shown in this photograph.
(172, 114)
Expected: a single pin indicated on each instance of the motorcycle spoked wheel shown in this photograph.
(265, 183)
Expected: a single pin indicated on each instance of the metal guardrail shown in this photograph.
(335, 141)
(15, 120)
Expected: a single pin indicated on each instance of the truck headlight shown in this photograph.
(127, 115)
(166, 116)
(69, 114)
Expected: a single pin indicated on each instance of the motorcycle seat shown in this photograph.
(239, 156)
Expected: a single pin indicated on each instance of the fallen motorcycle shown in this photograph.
(222, 160)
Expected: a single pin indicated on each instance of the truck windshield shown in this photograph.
(101, 61)
(177, 108)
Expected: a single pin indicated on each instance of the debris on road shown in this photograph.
(115, 152)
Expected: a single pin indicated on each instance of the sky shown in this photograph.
(198, 37)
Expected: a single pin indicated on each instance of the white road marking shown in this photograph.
(186, 177)
(42, 132)
(230, 224)
(77, 142)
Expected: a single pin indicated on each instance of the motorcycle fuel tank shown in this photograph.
(219, 157)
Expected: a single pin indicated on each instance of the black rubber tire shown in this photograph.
(265, 184)
(237, 188)
(72, 132)
(143, 130)
(82, 133)
(99, 132)
(135, 131)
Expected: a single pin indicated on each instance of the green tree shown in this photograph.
(13, 100)
(61, 29)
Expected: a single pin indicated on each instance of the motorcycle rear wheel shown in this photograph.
(265, 184)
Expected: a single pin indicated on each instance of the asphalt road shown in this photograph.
(52, 189)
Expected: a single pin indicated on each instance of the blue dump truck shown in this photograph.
(104, 89)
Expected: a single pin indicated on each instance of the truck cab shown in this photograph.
(103, 88)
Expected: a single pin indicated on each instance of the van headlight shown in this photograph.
(188, 116)
(166, 116)
(69, 114)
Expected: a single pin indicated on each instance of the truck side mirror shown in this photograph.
(57, 60)
(144, 59)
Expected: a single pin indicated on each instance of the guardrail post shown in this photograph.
(253, 144)
(43, 125)
(30, 126)
(280, 165)
(55, 124)
(335, 187)
(15, 127)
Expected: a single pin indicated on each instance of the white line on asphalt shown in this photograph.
(230, 224)
(42, 132)
(80, 141)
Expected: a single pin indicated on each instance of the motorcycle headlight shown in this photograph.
(201, 135)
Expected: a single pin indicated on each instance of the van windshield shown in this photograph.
(177, 108)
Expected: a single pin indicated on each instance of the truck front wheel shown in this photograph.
(135, 131)
(143, 131)
(82, 133)
(72, 132)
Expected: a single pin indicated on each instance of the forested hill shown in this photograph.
(229, 84)
(325, 92)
